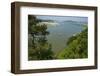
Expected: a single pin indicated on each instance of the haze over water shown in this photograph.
(62, 28)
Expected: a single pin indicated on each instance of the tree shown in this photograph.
(40, 48)
(76, 46)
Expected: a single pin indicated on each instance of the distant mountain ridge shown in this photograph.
(76, 21)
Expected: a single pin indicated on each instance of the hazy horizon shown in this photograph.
(63, 18)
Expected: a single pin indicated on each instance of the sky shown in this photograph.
(63, 18)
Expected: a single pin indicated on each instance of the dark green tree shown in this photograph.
(39, 48)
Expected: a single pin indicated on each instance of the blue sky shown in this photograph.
(63, 18)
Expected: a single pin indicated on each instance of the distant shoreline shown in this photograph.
(49, 23)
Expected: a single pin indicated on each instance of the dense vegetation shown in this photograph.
(76, 46)
(40, 49)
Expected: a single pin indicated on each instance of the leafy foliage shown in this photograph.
(39, 48)
(76, 47)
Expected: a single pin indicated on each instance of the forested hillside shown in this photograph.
(76, 46)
